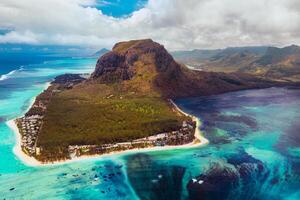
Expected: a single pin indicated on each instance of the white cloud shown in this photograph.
(177, 24)
(16, 37)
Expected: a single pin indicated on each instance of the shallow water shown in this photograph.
(254, 150)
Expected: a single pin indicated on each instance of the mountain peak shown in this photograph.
(122, 47)
(292, 49)
(294, 46)
(125, 59)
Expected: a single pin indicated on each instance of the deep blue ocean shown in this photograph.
(254, 149)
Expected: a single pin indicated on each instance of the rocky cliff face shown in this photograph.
(111, 67)
(144, 63)
(118, 65)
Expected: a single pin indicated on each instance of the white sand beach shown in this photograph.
(27, 160)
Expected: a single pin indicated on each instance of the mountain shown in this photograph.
(144, 66)
(101, 52)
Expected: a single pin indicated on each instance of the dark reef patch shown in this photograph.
(154, 181)
(240, 158)
(289, 140)
(241, 178)
(215, 183)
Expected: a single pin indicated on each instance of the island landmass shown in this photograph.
(126, 103)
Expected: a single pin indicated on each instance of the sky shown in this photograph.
(177, 24)
(119, 8)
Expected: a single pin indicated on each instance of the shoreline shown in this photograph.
(32, 162)
(46, 86)
(199, 140)
(17, 150)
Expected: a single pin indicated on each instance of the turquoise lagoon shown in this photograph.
(254, 149)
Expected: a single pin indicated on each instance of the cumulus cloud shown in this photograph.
(177, 24)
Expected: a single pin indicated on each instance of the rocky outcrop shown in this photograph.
(111, 68)
(68, 81)
(68, 78)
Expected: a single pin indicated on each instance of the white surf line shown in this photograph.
(17, 150)
(27, 160)
(6, 76)
(198, 133)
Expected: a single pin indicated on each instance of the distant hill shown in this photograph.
(277, 63)
(276, 55)
(257, 50)
(270, 62)
(101, 52)
(198, 57)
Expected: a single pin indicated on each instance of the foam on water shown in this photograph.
(10, 74)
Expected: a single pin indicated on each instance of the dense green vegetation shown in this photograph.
(74, 119)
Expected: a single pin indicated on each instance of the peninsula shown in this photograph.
(126, 103)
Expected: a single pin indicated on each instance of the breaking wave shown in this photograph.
(8, 75)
